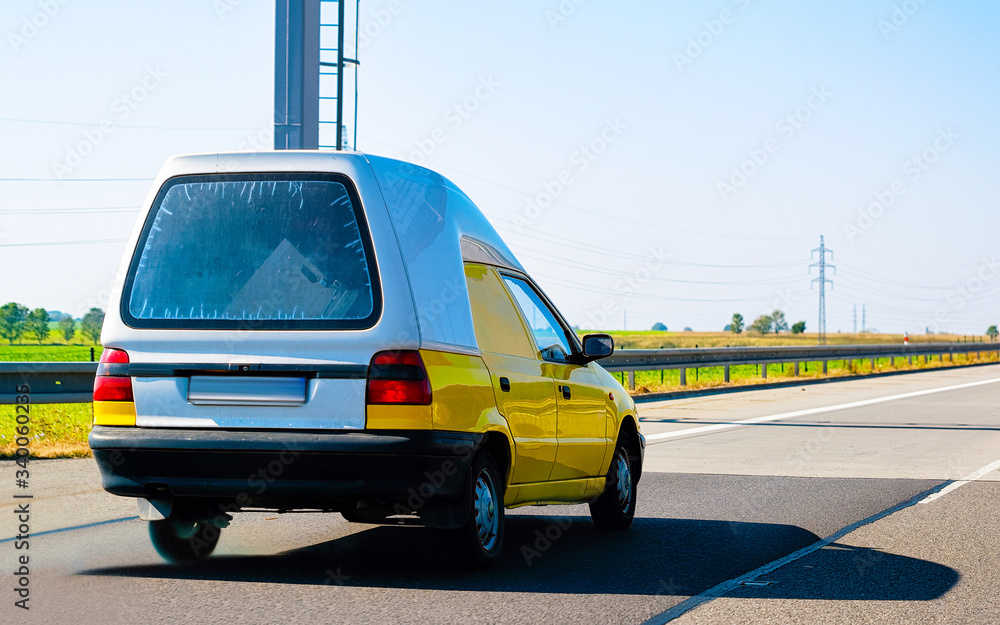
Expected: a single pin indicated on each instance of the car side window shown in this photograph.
(550, 338)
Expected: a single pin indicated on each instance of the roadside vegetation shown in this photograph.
(699, 378)
(36, 335)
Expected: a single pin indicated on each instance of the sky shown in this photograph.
(672, 162)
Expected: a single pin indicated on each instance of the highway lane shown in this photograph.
(713, 506)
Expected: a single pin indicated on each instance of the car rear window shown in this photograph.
(265, 251)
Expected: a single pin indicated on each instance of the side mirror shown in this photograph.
(597, 346)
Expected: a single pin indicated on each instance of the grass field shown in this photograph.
(48, 353)
(57, 430)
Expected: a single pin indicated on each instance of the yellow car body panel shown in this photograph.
(523, 394)
(560, 447)
(398, 417)
(585, 415)
(461, 393)
(114, 413)
(562, 491)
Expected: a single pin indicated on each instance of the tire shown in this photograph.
(615, 508)
(478, 544)
(179, 540)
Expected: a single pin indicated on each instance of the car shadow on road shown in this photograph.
(567, 554)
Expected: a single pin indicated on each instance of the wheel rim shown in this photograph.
(624, 478)
(487, 519)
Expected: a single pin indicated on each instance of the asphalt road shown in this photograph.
(720, 499)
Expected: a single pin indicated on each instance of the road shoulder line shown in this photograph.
(721, 589)
(972, 477)
(655, 438)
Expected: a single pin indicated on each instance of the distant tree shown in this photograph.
(799, 327)
(91, 324)
(12, 319)
(37, 324)
(737, 324)
(778, 322)
(686, 329)
(67, 326)
(762, 324)
(659, 327)
(727, 328)
(992, 332)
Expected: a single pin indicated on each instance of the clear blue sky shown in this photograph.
(888, 99)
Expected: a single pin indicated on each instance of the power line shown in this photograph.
(909, 261)
(595, 268)
(68, 211)
(597, 213)
(580, 286)
(75, 179)
(65, 123)
(547, 238)
(867, 275)
(46, 243)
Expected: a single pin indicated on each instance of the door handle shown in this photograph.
(567, 393)
(505, 385)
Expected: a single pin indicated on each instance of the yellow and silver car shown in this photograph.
(341, 332)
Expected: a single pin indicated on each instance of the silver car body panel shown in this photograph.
(420, 225)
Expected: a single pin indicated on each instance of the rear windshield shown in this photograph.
(267, 251)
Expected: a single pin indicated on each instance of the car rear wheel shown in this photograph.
(478, 543)
(615, 508)
(184, 540)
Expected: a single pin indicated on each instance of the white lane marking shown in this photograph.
(653, 438)
(721, 589)
(972, 477)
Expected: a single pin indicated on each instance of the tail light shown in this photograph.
(113, 382)
(398, 377)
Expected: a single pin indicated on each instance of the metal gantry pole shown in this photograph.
(340, 74)
(296, 75)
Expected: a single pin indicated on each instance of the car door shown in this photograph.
(525, 394)
(582, 402)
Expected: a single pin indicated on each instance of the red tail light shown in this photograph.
(113, 382)
(398, 377)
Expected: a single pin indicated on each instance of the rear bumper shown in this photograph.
(285, 469)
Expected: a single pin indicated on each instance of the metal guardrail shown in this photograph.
(656, 359)
(70, 382)
(49, 382)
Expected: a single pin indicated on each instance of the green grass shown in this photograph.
(57, 430)
(48, 352)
